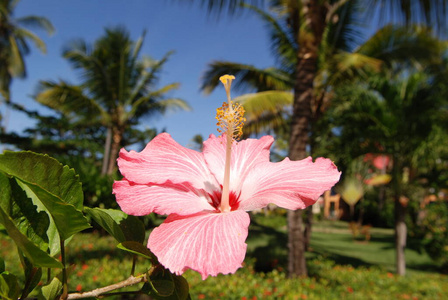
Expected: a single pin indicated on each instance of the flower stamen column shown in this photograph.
(230, 123)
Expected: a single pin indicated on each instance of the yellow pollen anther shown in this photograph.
(230, 115)
(230, 120)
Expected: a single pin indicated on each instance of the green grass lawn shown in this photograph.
(334, 240)
(339, 266)
(379, 251)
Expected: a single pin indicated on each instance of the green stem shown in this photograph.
(64, 273)
(134, 260)
(48, 275)
(25, 291)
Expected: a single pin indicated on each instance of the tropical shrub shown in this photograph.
(41, 210)
(435, 232)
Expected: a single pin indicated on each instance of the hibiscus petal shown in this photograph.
(209, 243)
(245, 155)
(288, 184)
(162, 160)
(139, 200)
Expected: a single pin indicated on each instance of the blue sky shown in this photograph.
(196, 37)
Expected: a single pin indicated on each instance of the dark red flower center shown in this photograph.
(216, 200)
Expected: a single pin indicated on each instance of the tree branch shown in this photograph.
(97, 292)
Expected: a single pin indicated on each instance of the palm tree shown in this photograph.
(308, 21)
(336, 64)
(14, 43)
(117, 89)
(400, 114)
(270, 90)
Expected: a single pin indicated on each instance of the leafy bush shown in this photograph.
(41, 211)
(435, 232)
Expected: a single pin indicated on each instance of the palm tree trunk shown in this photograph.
(296, 244)
(117, 136)
(106, 156)
(306, 70)
(308, 226)
(308, 21)
(400, 215)
(400, 236)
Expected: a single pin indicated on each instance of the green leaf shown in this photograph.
(52, 290)
(45, 172)
(181, 288)
(28, 220)
(103, 218)
(20, 208)
(53, 239)
(37, 256)
(67, 219)
(137, 248)
(9, 286)
(5, 193)
(164, 285)
(52, 187)
(118, 224)
(133, 229)
(161, 284)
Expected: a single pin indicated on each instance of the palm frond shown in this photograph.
(147, 77)
(397, 43)
(36, 22)
(265, 111)
(153, 68)
(94, 75)
(153, 97)
(69, 100)
(283, 44)
(345, 67)
(220, 7)
(138, 46)
(156, 94)
(13, 4)
(173, 104)
(15, 40)
(15, 63)
(396, 111)
(405, 12)
(345, 28)
(248, 78)
(25, 34)
(147, 107)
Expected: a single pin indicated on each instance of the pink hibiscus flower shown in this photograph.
(206, 196)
